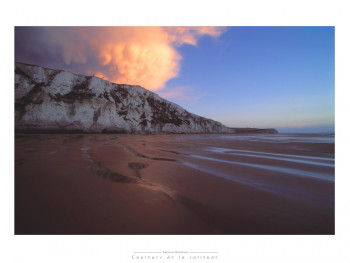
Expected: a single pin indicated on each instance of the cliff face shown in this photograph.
(55, 100)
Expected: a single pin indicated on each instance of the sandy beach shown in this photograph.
(174, 184)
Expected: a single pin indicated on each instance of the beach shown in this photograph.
(174, 184)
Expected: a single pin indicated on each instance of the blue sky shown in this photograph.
(280, 77)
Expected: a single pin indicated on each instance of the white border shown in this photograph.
(231, 13)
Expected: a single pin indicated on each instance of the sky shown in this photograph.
(264, 77)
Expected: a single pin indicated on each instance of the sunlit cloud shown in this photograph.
(190, 35)
(182, 93)
(145, 56)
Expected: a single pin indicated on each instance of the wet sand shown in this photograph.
(174, 184)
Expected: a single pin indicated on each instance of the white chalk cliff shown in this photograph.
(49, 99)
(56, 100)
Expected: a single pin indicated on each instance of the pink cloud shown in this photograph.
(182, 93)
(143, 56)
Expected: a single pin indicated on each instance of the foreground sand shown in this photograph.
(174, 184)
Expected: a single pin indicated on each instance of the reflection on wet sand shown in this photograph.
(282, 170)
(282, 157)
(174, 184)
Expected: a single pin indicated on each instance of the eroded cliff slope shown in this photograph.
(56, 100)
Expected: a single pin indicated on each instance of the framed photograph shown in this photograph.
(142, 142)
